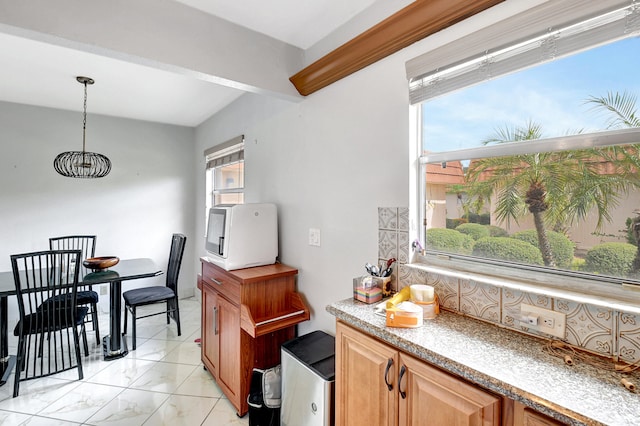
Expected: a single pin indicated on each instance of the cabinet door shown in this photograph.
(366, 390)
(429, 396)
(525, 416)
(229, 354)
(210, 342)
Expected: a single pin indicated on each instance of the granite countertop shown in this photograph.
(507, 363)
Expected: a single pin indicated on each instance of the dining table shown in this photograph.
(114, 345)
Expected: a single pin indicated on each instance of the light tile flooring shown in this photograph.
(162, 382)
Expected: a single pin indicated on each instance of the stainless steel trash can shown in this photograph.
(308, 376)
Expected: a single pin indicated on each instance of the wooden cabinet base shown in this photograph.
(377, 384)
(246, 316)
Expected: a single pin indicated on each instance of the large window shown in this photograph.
(531, 150)
(225, 173)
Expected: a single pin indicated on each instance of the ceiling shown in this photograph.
(127, 89)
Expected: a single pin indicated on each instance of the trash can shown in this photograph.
(308, 376)
(264, 397)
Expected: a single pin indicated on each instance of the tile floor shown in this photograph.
(162, 382)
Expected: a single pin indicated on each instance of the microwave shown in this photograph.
(242, 235)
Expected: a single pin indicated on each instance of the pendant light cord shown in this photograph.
(84, 118)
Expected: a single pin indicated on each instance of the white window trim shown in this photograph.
(222, 154)
(512, 31)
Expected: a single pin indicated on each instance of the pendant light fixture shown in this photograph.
(82, 164)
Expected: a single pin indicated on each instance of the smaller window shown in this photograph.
(225, 173)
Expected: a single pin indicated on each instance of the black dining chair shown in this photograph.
(158, 294)
(48, 340)
(86, 295)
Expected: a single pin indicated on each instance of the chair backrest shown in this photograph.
(85, 243)
(41, 276)
(175, 260)
(46, 288)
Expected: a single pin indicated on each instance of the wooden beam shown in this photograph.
(407, 26)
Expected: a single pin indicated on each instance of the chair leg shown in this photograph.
(176, 314)
(84, 339)
(133, 325)
(76, 345)
(126, 312)
(19, 366)
(94, 320)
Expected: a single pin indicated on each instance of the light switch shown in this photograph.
(314, 237)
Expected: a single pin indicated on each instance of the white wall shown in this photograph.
(134, 210)
(329, 162)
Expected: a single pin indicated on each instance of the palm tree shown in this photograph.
(622, 112)
(557, 188)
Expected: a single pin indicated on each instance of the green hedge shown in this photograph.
(506, 248)
(496, 231)
(611, 259)
(454, 223)
(449, 240)
(474, 230)
(483, 219)
(562, 248)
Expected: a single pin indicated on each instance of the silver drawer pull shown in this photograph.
(216, 281)
(215, 320)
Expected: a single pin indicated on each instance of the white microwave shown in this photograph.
(242, 235)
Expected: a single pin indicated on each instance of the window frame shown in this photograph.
(481, 265)
(222, 155)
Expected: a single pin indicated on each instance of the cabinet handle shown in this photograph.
(215, 281)
(402, 371)
(386, 374)
(215, 320)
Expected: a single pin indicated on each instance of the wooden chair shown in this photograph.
(158, 294)
(86, 296)
(48, 340)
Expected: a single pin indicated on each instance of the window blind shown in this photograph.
(543, 33)
(228, 152)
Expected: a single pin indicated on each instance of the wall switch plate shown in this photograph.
(550, 322)
(314, 237)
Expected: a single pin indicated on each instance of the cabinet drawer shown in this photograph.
(221, 282)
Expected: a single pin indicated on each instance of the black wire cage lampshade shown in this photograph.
(82, 164)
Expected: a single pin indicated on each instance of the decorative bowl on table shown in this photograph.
(100, 263)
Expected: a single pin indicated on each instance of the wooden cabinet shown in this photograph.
(525, 416)
(429, 393)
(246, 316)
(366, 380)
(378, 385)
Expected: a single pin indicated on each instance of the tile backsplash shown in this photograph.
(600, 330)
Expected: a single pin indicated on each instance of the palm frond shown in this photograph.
(621, 106)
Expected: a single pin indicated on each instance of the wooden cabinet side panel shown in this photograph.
(435, 397)
(362, 397)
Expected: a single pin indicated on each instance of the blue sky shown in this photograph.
(552, 95)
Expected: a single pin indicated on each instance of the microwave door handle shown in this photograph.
(220, 246)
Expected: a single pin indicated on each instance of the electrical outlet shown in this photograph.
(550, 322)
